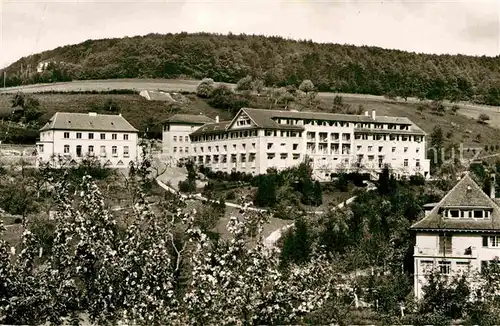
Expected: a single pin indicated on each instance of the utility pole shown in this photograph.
(4, 77)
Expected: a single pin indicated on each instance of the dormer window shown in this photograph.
(454, 213)
(479, 214)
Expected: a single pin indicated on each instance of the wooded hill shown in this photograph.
(275, 60)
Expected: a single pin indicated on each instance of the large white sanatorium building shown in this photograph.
(73, 136)
(459, 234)
(255, 140)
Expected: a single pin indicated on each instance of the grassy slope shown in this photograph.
(136, 109)
(461, 127)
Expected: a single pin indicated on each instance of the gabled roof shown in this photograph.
(88, 121)
(465, 194)
(264, 119)
(194, 119)
(210, 128)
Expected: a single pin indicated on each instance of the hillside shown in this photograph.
(457, 127)
(277, 61)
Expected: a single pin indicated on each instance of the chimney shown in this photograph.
(119, 114)
(374, 115)
(492, 185)
(217, 119)
(366, 113)
(92, 114)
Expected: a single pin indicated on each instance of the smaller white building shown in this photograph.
(460, 234)
(176, 131)
(70, 137)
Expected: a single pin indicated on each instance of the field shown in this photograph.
(168, 85)
(178, 85)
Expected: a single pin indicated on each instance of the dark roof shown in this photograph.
(415, 130)
(211, 128)
(88, 121)
(465, 194)
(259, 115)
(195, 119)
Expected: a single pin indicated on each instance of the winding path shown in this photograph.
(271, 240)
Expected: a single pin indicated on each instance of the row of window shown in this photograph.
(228, 135)
(458, 213)
(223, 158)
(311, 136)
(90, 135)
(418, 139)
(102, 151)
(332, 123)
(444, 266)
(186, 138)
(323, 136)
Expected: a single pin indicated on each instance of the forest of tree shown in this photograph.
(275, 60)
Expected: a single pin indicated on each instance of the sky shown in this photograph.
(466, 27)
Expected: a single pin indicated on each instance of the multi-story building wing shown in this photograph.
(69, 137)
(459, 234)
(255, 140)
(176, 131)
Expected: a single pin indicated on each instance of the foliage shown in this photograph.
(156, 269)
(205, 88)
(30, 108)
(225, 99)
(483, 117)
(189, 185)
(244, 84)
(446, 296)
(306, 86)
(297, 244)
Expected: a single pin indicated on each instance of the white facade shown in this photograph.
(461, 234)
(114, 148)
(249, 143)
(175, 137)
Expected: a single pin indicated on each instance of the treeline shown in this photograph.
(277, 61)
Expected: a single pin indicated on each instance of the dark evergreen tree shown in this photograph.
(297, 244)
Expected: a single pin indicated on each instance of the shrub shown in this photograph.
(417, 180)
(186, 186)
(296, 244)
(205, 88)
(483, 118)
(225, 99)
(231, 195)
(244, 84)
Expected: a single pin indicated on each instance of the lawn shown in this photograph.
(168, 85)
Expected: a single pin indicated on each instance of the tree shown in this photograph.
(437, 142)
(29, 104)
(266, 192)
(224, 98)
(483, 118)
(296, 244)
(258, 85)
(205, 88)
(386, 182)
(318, 194)
(111, 105)
(244, 84)
(189, 185)
(306, 86)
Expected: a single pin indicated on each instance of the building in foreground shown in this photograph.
(256, 140)
(459, 234)
(69, 137)
(176, 131)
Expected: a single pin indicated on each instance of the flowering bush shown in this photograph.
(157, 269)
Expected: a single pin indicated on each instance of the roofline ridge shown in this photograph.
(436, 207)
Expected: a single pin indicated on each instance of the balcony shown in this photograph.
(470, 252)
